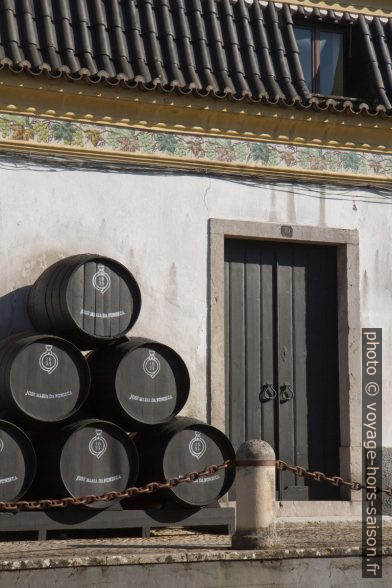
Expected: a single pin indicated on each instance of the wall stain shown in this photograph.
(30, 268)
(290, 211)
(377, 264)
(322, 211)
(364, 288)
(172, 285)
(273, 217)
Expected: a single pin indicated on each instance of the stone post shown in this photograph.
(255, 495)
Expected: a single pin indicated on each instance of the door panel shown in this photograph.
(284, 363)
(267, 334)
(281, 355)
(237, 375)
(300, 404)
(252, 342)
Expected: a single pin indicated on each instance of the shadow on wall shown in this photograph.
(13, 313)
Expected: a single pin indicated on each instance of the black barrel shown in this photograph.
(87, 299)
(86, 457)
(43, 379)
(181, 446)
(138, 383)
(18, 462)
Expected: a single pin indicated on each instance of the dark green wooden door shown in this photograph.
(282, 356)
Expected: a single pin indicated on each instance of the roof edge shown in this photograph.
(381, 8)
(62, 100)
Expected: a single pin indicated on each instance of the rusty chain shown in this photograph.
(320, 477)
(108, 496)
(34, 505)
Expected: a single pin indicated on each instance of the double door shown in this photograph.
(281, 356)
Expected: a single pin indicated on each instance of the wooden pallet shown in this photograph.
(71, 520)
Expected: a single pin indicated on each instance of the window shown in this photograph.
(321, 53)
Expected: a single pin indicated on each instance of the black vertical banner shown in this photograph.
(372, 453)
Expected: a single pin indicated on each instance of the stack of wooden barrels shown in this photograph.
(85, 409)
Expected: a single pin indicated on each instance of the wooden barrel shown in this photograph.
(181, 446)
(87, 299)
(87, 457)
(138, 382)
(18, 462)
(43, 379)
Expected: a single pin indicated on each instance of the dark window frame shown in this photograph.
(317, 28)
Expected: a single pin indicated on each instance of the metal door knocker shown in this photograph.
(267, 393)
(286, 393)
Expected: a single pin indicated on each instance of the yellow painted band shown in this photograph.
(200, 165)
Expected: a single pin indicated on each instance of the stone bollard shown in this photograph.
(255, 495)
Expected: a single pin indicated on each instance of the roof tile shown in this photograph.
(237, 49)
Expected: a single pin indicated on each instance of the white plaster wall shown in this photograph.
(157, 226)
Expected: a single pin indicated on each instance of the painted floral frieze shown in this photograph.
(212, 149)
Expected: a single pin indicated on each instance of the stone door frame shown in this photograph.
(349, 341)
